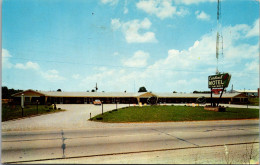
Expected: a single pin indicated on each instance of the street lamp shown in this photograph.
(102, 106)
(247, 101)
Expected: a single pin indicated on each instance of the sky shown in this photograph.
(164, 45)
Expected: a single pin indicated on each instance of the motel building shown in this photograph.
(45, 98)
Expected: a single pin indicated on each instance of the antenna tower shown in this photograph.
(219, 39)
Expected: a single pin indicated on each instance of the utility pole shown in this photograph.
(22, 103)
(96, 87)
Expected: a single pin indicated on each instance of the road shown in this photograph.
(193, 142)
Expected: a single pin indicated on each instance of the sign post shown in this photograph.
(211, 101)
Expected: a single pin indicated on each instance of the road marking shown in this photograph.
(176, 137)
(63, 146)
(121, 153)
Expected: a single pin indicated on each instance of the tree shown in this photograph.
(59, 90)
(93, 90)
(7, 93)
(142, 89)
(174, 92)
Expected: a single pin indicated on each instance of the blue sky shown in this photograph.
(122, 45)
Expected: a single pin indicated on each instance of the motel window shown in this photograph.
(27, 99)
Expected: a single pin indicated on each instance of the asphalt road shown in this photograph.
(127, 144)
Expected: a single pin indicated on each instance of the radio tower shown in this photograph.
(219, 39)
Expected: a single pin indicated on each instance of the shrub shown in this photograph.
(99, 118)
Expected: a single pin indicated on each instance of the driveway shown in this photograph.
(75, 116)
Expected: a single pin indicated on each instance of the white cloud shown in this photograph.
(131, 30)
(188, 68)
(125, 7)
(111, 2)
(252, 66)
(254, 32)
(244, 30)
(115, 23)
(182, 12)
(161, 8)
(116, 54)
(28, 65)
(139, 59)
(5, 59)
(190, 2)
(125, 10)
(201, 15)
(100, 68)
(52, 75)
(76, 76)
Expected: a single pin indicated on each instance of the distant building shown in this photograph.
(249, 92)
(44, 97)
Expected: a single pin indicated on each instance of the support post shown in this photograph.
(220, 96)
(211, 101)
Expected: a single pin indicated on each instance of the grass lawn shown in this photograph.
(10, 112)
(254, 100)
(173, 113)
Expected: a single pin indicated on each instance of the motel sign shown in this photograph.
(219, 81)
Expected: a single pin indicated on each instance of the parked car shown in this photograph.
(97, 102)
